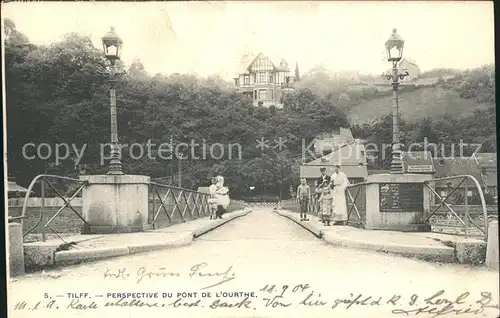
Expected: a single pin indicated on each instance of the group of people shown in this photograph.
(219, 198)
(330, 192)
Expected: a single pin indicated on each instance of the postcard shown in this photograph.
(250, 159)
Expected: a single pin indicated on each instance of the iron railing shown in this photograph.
(356, 203)
(177, 205)
(45, 179)
(451, 221)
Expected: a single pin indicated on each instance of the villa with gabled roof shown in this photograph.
(263, 80)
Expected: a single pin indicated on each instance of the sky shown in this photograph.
(211, 37)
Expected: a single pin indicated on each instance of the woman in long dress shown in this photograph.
(222, 197)
(340, 182)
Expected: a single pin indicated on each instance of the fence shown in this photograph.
(170, 205)
(45, 218)
(54, 214)
(460, 219)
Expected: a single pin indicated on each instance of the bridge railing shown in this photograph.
(169, 205)
(460, 217)
(356, 204)
(55, 205)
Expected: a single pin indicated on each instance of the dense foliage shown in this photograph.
(59, 94)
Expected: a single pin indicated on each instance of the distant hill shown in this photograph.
(416, 104)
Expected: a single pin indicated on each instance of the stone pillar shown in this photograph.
(395, 216)
(492, 246)
(115, 203)
(16, 250)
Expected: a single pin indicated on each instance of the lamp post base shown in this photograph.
(397, 162)
(396, 167)
(115, 164)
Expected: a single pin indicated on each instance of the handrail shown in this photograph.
(174, 187)
(32, 184)
(481, 196)
(192, 201)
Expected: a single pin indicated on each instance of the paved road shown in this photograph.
(258, 250)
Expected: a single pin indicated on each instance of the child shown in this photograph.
(303, 194)
(326, 203)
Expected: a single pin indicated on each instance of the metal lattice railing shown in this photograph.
(48, 180)
(170, 205)
(459, 219)
(356, 203)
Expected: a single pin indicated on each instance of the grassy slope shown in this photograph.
(423, 102)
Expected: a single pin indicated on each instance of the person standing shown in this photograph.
(326, 199)
(323, 180)
(303, 195)
(339, 204)
(222, 197)
(212, 200)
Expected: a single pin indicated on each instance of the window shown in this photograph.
(262, 77)
(262, 94)
(255, 95)
(271, 94)
(270, 78)
(246, 80)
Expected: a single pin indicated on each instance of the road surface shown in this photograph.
(290, 272)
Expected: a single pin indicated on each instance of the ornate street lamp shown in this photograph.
(112, 47)
(394, 47)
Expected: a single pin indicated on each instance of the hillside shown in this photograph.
(415, 105)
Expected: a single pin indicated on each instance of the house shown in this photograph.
(412, 68)
(14, 190)
(414, 71)
(351, 157)
(263, 80)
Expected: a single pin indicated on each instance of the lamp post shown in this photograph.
(112, 46)
(394, 47)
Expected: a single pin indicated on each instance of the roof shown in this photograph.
(347, 154)
(14, 187)
(330, 141)
(248, 59)
(244, 63)
(312, 171)
(418, 162)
